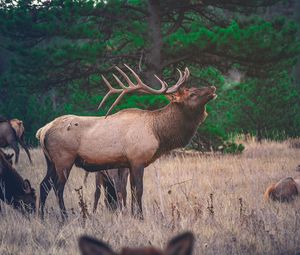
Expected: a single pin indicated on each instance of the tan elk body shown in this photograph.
(130, 138)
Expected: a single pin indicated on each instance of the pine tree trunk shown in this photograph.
(153, 54)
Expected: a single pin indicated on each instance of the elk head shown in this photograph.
(17, 190)
(26, 201)
(190, 98)
(180, 245)
(193, 98)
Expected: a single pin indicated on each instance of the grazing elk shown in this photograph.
(284, 191)
(14, 189)
(12, 133)
(114, 182)
(180, 245)
(131, 138)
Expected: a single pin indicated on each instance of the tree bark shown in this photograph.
(154, 53)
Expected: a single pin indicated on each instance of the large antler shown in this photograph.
(140, 86)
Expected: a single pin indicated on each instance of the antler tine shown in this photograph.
(181, 81)
(103, 100)
(146, 88)
(116, 102)
(107, 83)
(180, 76)
(138, 79)
(164, 85)
(110, 92)
(187, 71)
(119, 82)
(130, 83)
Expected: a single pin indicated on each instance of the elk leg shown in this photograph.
(124, 175)
(97, 191)
(124, 194)
(22, 142)
(46, 185)
(59, 191)
(111, 199)
(16, 149)
(86, 175)
(63, 169)
(136, 183)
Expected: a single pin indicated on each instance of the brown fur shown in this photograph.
(180, 245)
(283, 191)
(128, 139)
(269, 190)
(14, 189)
(18, 126)
(12, 133)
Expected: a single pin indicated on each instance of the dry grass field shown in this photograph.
(218, 197)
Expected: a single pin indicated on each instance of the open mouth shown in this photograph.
(213, 94)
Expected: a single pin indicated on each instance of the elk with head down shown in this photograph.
(14, 189)
(12, 133)
(285, 190)
(131, 138)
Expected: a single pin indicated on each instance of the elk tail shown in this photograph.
(41, 135)
(269, 191)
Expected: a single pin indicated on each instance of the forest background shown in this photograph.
(52, 55)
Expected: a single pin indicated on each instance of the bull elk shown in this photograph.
(131, 138)
(179, 245)
(12, 133)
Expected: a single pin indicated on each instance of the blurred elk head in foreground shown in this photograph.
(14, 189)
(131, 138)
(12, 133)
(179, 245)
(285, 190)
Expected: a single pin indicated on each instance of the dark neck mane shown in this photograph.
(174, 126)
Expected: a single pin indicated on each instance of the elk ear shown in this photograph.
(181, 245)
(9, 156)
(176, 97)
(27, 186)
(92, 246)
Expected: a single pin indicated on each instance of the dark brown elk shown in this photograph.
(14, 189)
(180, 245)
(285, 190)
(12, 133)
(131, 138)
(114, 182)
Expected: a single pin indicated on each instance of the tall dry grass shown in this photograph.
(218, 197)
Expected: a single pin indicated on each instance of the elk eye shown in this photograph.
(193, 95)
